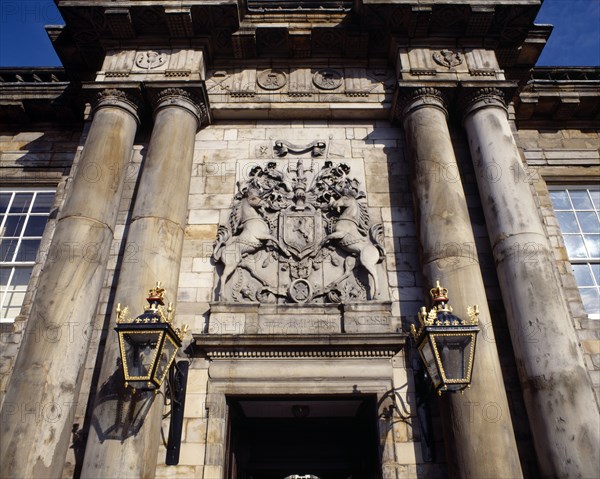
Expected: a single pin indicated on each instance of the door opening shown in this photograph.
(332, 437)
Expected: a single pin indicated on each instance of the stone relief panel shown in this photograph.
(299, 232)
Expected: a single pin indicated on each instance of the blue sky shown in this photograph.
(574, 42)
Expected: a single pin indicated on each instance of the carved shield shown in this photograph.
(301, 231)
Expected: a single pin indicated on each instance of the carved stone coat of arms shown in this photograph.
(299, 234)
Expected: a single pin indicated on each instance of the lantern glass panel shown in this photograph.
(429, 359)
(166, 357)
(455, 353)
(140, 353)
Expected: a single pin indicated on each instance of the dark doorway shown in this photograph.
(327, 437)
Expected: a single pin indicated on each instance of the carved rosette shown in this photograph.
(130, 101)
(416, 98)
(299, 232)
(482, 98)
(181, 98)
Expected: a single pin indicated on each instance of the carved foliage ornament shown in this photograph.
(447, 58)
(299, 233)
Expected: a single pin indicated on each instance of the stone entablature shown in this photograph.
(448, 64)
(153, 65)
(367, 92)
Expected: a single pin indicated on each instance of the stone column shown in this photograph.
(559, 398)
(40, 400)
(118, 446)
(478, 432)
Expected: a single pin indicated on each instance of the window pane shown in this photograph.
(588, 222)
(595, 194)
(43, 203)
(560, 200)
(583, 275)
(16, 293)
(591, 300)
(4, 276)
(28, 250)
(567, 222)
(593, 245)
(575, 246)
(36, 225)
(21, 203)
(581, 199)
(596, 272)
(4, 200)
(7, 249)
(14, 225)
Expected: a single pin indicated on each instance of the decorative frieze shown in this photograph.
(358, 345)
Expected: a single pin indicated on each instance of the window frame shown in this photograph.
(587, 260)
(15, 264)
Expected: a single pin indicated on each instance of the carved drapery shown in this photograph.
(300, 233)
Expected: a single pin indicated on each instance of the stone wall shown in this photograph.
(34, 158)
(566, 157)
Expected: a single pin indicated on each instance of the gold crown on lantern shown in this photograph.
(438, 293)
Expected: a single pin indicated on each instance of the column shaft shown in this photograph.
(41, 397)
(559, 398)
(119, 447)
(481, 416)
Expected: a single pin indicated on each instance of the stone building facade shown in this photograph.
(298, 175)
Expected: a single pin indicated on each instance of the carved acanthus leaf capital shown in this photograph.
(481, 98)
(130, 101)
(412, 99)
(182, 98)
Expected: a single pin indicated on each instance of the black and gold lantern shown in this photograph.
(446, 343)
(148, 343)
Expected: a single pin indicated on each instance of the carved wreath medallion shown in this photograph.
(299, 232)
(327, 79)
(272, 79)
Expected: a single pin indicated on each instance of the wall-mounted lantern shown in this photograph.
(148, 343)
(446, 343)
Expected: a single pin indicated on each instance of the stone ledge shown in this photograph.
(344, 345)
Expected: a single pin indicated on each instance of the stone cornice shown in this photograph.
(567, 97)
(228, 29)
(265, 346)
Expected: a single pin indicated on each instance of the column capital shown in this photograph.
(411, 99)
(181, 98)
(475, 99)
(128, 100)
